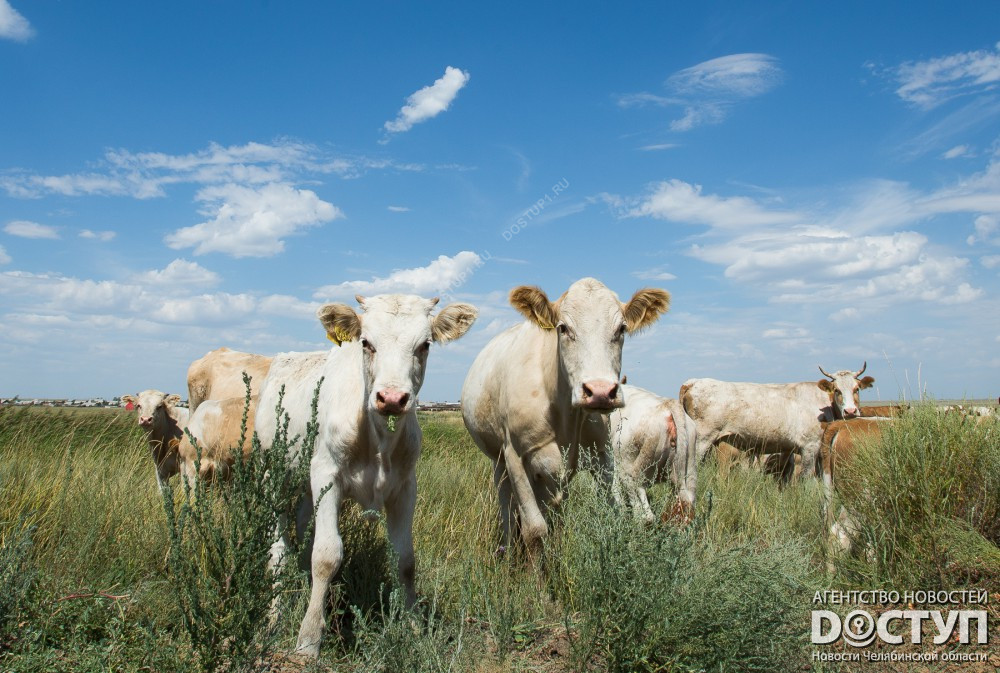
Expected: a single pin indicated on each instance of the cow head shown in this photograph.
(590, 324)
(395, 334)
(844, 388)
(152, 408)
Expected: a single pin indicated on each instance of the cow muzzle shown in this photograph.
(391, 402)
(601, 396)
(146, 421)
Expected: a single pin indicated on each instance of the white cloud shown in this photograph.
(931, 82)
(734, 76)
(957, 151)
(442, 274)
(179, 272)
(986, 228)
(785, 333)
(146, 175)
(859, 252)
(679, 201)
(4, 257)
(98, 235)
(990, 261)
(13, 26)
(429, 101)
(654, 274)
(658, 148)
(398, 209)
(252, 221)
(709, 89)
(26, 229)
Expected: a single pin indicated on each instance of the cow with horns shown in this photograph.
(783, 418)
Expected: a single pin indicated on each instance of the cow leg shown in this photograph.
(533, 526)
(502, 482)
(399, 523)
(327, 555)
(810, 452)
(684, 472)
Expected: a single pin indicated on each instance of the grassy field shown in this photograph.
(90, 585)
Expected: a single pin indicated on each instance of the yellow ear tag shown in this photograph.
(339, 336)
(546, 326)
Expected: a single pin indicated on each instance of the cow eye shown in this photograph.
(424, 348)
(367, 345)
(562, 329)
(620, 332)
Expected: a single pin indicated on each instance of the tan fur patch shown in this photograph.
(645, 307)
(534, 305)
(453, 321)
(340, 321)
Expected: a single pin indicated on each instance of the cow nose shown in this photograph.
(145, 421)
(850, 412)
(391, 402)
(601, 395)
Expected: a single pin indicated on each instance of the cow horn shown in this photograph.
(863, 368)
(825, 374)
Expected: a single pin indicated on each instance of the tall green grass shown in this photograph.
(82, 521)
(925, 502)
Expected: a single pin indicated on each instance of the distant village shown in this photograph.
(117, 402)
(92, 402)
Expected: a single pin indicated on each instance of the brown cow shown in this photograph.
(884, 410)
(164, 422)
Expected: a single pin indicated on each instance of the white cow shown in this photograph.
(369, 440)
(653, 440)
(218, 375)
(164, 424)
(216, 426)
(547, 385)
(782, 418)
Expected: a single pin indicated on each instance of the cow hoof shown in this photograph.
(681, 514)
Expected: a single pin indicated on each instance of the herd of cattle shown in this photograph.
(541, 400)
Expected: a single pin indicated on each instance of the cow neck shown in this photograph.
(569, 421)
(383, 442)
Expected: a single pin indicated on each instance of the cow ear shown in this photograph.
(645, 307)
(171, 400)
(534, 305)
(453, 321)
(825, 384)
(866, 382)
(340, 321)
(128, 399)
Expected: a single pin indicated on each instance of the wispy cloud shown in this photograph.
(13, 26)
(4, 257)
(858, 251)
(398, 209)
(658, 148)
(654, 274)
(97, 235)
(179, 273)
(709, 89)
(429, 101)
(957, 151)
(26, 229)
(437, 277)
(147, 175)
(252, 221)
(931, 82)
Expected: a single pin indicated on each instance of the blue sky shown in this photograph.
(814, 183)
